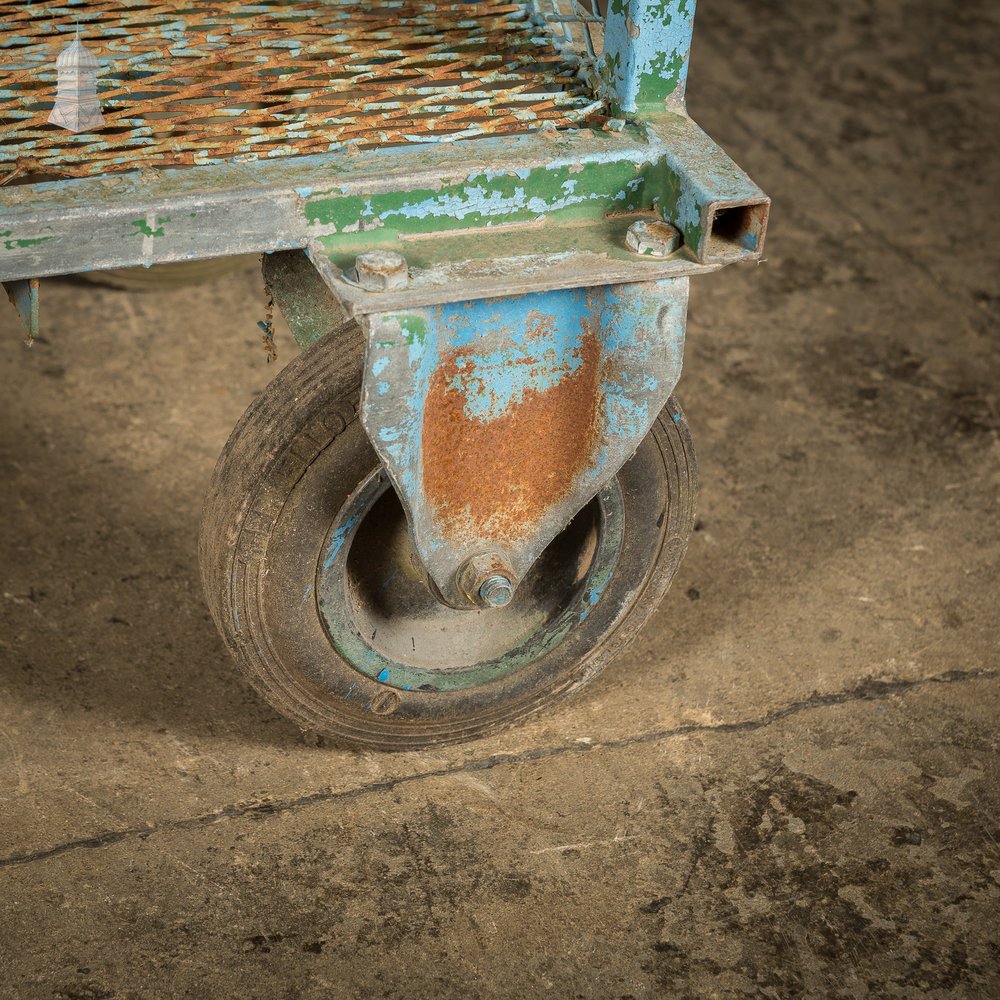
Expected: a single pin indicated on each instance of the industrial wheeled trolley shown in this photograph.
(479, 220)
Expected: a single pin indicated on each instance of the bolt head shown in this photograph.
(653, 238)
(496, 592)
(382, 271)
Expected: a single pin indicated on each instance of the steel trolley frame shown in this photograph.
(507, 198)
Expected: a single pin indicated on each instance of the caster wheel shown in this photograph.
(312, 581)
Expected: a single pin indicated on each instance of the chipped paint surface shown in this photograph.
(498, 419)
(378, 196)
(152, 227)
(646, 49)
(700, 179)
(584, 188)
(656, 161)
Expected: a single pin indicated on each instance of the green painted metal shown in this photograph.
(674, 169)
(587, 187)
(307, 305)
(647, 44)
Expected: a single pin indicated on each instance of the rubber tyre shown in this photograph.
(296, 456)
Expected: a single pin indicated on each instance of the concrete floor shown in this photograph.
(787, 787)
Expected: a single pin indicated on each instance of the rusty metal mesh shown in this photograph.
(578, 25)
(185, 84)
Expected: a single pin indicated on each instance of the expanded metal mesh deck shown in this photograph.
(185, 84)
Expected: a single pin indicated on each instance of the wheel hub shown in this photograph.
(388, 623)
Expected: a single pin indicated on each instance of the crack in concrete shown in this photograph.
(868, 690)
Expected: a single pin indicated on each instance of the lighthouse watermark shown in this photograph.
(77, 107)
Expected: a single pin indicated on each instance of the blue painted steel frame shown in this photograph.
(509, 194)
(660, 161)
(498, 419)
(475, 367)
(647, 45)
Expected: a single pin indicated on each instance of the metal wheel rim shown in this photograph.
(345, 597)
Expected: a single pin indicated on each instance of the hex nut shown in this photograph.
(382, 270)
(487, 581)
(653, 238)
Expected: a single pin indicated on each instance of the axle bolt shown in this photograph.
(496, 592)
(487, 581)
(653, 238)
(382, 270)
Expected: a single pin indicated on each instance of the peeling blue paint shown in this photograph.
(340, 536)
(499, 350)
(595, 591)
(524, 344)
(646, 48)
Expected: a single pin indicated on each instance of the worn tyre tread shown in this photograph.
(320, 375)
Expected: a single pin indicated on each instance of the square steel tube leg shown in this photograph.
(646, 48)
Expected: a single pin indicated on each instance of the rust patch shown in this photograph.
(188, 84)
(496, 478)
